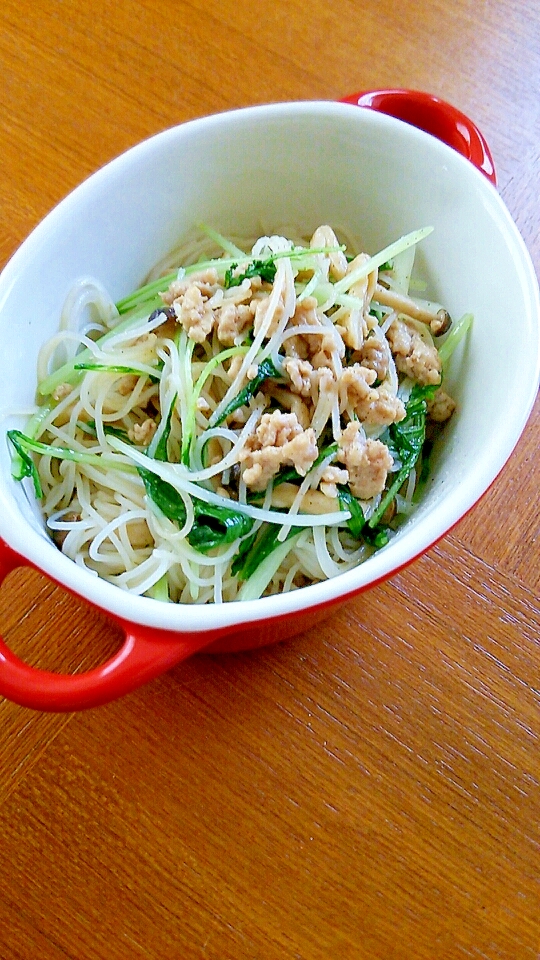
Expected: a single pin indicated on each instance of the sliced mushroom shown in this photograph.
(389, 513)
(59, 536)
(313, 501)
(439, 322)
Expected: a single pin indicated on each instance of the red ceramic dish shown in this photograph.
(157, 637)
(435, 116)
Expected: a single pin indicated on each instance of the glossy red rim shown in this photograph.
(436, 117)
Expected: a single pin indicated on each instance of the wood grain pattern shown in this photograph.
(371, 788)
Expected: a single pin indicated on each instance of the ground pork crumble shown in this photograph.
(278, 441)
(367, 462)
(413, 355)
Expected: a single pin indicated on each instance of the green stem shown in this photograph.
(68, 453)
(455, 336)
(253, 588)
(68, 372)
(143, 294)
(392, 250)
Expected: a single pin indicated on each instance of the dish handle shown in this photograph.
(435, 116)
(144, 654)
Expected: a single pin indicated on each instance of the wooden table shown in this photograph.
(369, 789)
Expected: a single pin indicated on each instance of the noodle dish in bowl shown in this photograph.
(263, 373)
(247, 424)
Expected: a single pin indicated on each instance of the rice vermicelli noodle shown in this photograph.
(255, 418)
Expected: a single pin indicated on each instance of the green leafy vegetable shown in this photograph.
(265, 269)
(188, 419)
(356, 521)
(377, 312)
(265, 371)
(243, 550)
(24, 466)
(149, 291)
(160, 450)
(25, 444)
(254, 587)
(405, 441)
(427, 450)
(164, 495)
(108, 429)
(357, 524)
(213, 526)
(377, 537)
(115, 368)
(257, 548)
(216, 526)
(146, 295)
(67, 372)
(290, 475)
(185, 346)
(160, 590)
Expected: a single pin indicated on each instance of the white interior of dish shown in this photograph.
(249, 171)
